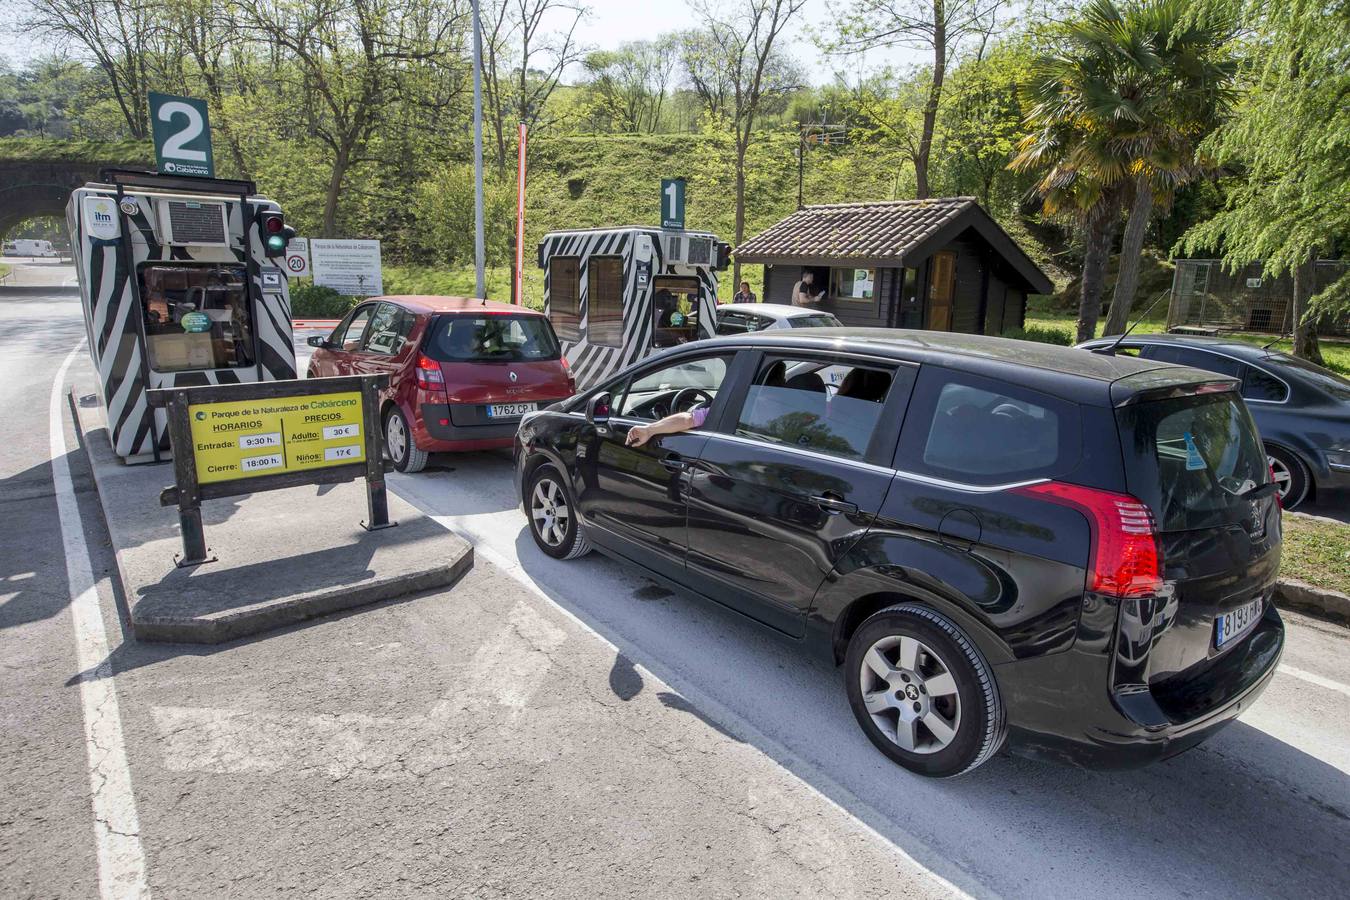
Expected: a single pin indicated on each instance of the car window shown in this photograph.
(500, 337)
(1199, 359)
(1310, 374)
(677, 387)
(815, 320)
(799, 402)
(389, 330)
(1261, 385)
(741, 323)
(349, 337)
(978, 430)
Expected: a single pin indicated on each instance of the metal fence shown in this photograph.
(1205, 295)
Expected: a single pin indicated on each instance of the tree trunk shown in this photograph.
(930, 109)
(1305, 331)
(741, 148)
(340, 164)
(1131, 248)
(1097, 250)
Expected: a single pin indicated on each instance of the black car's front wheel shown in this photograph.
(922, 692)
(553, 518)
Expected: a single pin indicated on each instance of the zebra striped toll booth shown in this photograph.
(177, 291)
(615, 295)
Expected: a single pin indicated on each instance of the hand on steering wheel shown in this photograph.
(694, 393)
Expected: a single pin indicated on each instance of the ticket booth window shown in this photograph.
(196, 317)
(604, 311)
(564, 297)
(675, 307)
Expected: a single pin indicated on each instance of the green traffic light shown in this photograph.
(276, 242)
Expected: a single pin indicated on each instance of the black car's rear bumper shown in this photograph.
(1063, 707)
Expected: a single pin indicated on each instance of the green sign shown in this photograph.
(672, 203)
(182, 135)
(196, 322)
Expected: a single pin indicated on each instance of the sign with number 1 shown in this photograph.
(182, 135)
(672, 203)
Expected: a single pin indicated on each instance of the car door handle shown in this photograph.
(833, 504)
(674, 463)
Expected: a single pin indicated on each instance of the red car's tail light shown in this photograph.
(1125, 560)
(429, 377)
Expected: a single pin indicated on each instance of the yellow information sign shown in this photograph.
(248, 438)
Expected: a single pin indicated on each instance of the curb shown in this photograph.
(39, 289)
(1321, 603)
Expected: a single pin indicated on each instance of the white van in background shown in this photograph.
(26, 247)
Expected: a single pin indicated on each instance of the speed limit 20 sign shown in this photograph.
(182, 136)
(297, 258)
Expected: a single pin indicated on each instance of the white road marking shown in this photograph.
(508, 669)
(121, 859)
(510, 564)
(1318, 680)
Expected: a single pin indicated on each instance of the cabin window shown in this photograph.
(196, 317)
(853, 284)
(604, 293)
(674, 310)
(564, 297)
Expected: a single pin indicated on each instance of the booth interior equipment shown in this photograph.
(615, 295)
(178, 287)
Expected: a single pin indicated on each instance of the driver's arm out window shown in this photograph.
(651, 395)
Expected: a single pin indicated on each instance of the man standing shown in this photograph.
(804, 291)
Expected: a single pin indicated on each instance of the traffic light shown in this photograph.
(276, 234)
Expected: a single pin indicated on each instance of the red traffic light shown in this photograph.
(273, 223)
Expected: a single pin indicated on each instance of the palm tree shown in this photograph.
(1116, 115)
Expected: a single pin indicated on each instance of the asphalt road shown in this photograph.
(570, 728)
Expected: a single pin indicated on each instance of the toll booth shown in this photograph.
(180, 286)
(615, 295)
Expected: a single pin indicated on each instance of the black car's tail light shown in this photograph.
(1126, 559)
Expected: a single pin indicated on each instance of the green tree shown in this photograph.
(1290, 141)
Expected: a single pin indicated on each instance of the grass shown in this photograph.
(1317, 551)
(1043, 317)
(5, 269)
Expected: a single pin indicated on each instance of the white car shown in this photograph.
(739, 318)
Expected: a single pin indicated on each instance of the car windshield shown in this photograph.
(1322, 379)
(815, 320)
(491, 337)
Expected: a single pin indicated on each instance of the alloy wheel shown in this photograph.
(396, 437)
(1283, 477)
(910, 693)
(549, 512)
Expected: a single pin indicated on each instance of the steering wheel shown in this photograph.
(694, 394)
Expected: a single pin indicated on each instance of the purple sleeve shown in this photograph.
(700, 416)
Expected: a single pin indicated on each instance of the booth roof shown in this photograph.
(886, 233)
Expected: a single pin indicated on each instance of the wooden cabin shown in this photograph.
(942, 264)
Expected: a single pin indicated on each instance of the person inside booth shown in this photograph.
(674, 310)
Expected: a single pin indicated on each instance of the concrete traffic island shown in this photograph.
(280, 556)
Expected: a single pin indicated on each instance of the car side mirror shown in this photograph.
(597, 409)
(317, 341)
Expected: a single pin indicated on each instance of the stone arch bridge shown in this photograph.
(38, 174)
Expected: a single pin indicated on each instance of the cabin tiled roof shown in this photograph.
(884, 234)
(854, 231)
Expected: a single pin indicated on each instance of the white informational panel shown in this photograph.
(297, 258)
(351, 268)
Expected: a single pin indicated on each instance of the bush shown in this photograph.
(1041, 335)
(310, 301)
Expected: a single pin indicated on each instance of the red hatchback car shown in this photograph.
(461, 372)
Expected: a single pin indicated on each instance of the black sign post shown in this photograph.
(189, 491)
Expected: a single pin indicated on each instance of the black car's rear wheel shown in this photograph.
(553, 519)
(923, 693)
(1291, 476)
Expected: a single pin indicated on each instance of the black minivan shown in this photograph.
(999, 541)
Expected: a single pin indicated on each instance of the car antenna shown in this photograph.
(1282, 337)
(1111, 350)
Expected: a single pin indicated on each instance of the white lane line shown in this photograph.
(1318, 680)
(117, 830)
(508, 562)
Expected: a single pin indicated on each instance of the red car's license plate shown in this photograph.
(509, 410)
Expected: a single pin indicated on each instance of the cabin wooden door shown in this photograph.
(941, 287)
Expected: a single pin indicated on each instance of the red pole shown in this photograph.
(520, 221)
